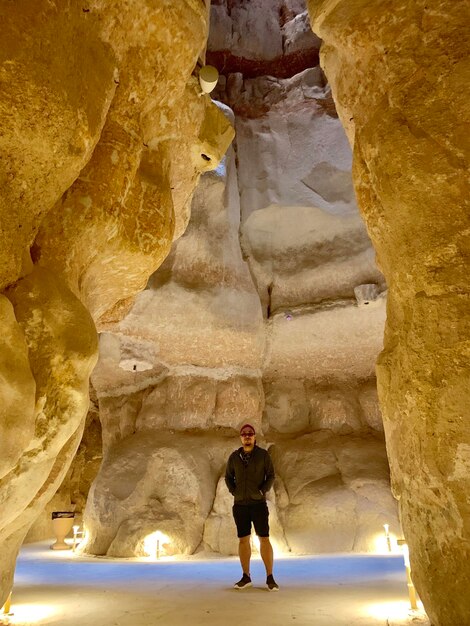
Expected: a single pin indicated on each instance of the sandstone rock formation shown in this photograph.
(151, 483)
(256, 40)
(180, 370)
(401, 89)
(55, 97)
(103, 138)
(286, 340)
(175, 394)
(333, 492)
(73, 492)
(146, 142)
(269, 309)
(59, 337)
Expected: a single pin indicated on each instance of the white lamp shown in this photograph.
(387, 537)
(411, 587)
(208, 77)
(76, 528)
(159, 537)
(155, 543)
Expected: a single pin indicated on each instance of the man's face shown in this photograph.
(247, 436)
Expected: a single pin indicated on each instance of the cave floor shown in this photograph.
(329, 590)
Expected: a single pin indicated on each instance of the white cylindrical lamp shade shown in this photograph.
(208, 77)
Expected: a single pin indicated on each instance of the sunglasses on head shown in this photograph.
(247, 433)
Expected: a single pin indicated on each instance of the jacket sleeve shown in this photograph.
(268, 474)
(230, 475)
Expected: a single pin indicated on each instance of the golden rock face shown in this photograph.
(154, 135)
(19, 390)
(55, 95)
(57, 335)
(401, 89)
(123, 203)
(101, 137)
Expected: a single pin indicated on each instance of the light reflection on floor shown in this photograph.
(395, 611)
(63, 589)
(31, 613)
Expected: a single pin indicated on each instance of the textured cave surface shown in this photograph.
(401, 90)
(250, 293)
(253, 316)
(98, 168)
(189, 363)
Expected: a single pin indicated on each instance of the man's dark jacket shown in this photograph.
(249, 481)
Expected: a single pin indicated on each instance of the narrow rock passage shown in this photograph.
(328, 590)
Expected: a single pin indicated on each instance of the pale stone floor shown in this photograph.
(328, 590)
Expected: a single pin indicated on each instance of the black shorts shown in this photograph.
(245, 514)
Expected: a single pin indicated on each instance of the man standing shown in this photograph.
(248, 476)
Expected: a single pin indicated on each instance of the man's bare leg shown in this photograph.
(266, 551)
(244, 552)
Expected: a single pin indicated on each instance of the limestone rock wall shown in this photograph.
(73, 492)
(152, 482)
(269, 309)
(333, 492)
(150, 144)
(284, 340)
(103, 138)
(61, 344)
(324, 304)
(52, 114)
(255, 39)
(175, 379)
(401, 89)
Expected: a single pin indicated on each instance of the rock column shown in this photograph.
(400, 83)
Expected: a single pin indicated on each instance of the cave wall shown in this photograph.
(73, 492)
(174, 378)
(102, 139)
(103, 133)
(400, 84)
(269, 309)
(172, 397)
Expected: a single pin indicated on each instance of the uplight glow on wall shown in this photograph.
(411, 588)
(385, 542)
(383, 611)
(154, 544)
(30, 613)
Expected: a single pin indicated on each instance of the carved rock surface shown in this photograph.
(301, 405)
(187, 359)
(201, 308)
(196, 381)
(103, 138)
(158, 137)
(332, 337)
(73, 492)
(153, 482)
(57, 83)
(333, 492)
(401, 89)
(133, 241)
(19, 390)
(193, 358)
(62, 346)
(249, 39)
(304, 256)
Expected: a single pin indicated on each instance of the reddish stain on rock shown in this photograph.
(285, 66)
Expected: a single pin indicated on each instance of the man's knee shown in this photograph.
(264, 540)
(245, 539)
